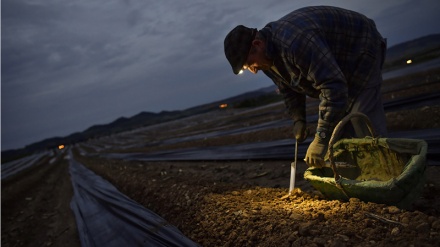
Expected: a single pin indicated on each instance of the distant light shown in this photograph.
(408, 61)
(61, 146)
(240, 72)
(223, 106)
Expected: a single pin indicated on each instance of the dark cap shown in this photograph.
(238, 42)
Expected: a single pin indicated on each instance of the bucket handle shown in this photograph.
(337, 132)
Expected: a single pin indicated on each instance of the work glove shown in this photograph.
(299, 131)
(316, 152)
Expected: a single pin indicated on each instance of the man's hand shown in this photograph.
(316, 152)
(299, 130)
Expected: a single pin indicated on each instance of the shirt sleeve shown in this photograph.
(295, 102)
(312, 56)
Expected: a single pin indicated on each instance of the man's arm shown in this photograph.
(294, 101)
(315, 61)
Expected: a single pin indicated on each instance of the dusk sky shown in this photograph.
(67, 65)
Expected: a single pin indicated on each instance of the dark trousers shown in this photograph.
(369, 102)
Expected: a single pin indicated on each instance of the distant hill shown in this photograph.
(420, 49)
(263, 96)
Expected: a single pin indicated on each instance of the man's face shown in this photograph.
(257, 59)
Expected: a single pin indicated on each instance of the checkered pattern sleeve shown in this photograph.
(317, 63)
(295, 102)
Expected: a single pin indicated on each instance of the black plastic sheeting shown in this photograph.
(279, 149)
(16, 166)
(106, 217)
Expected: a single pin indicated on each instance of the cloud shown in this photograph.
(67, 65)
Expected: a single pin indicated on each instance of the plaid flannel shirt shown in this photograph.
(324, 52)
